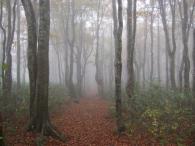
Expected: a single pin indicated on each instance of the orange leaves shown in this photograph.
(84, 124)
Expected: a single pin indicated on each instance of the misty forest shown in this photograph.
(97, 72)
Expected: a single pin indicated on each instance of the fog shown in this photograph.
(123, 68)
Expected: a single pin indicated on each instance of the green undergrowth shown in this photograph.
(163, 113)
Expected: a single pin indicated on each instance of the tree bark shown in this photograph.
(145, 49)
(131, 32)
(159, 53)
(99, 73)
(18, 46)
(31, 52)
(185, 45)
(152, 41)
(71, 59)
(118, 28)
(193, 85)
(7, 81)
(1, 131)
(170, 52)
(3, 46)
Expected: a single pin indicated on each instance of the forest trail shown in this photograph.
(87, 123)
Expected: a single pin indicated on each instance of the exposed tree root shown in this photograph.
(50, 130)
(47, 130)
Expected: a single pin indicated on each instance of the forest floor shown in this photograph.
(87, 123)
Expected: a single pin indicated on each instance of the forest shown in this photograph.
(97, 73)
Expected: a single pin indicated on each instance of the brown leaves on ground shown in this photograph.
(85, 124)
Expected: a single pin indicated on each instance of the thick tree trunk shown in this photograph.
(42, 116)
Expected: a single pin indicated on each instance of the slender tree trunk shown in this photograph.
(170, 52)
(72, 46)
(18, 46)
(145, 49)
(111, 69)
(193, 86)
(1, 131)
(131, 32)
(67, 50)
(152, 41)
(31, 53)
(159, 53)
(3, 46)
(98, 75)
(186, 22)
(118, 28)
(79, 59)
(7, 82)
(167, 67)
(185, 45)
(181, 75)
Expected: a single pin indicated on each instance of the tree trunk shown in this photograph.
(79, 59)
(131, 32)
(72, 46)
(41, 119)
(42, 116)
(1, 131)
(3, 46)
(193, 87)
(185, 45)
(98, 75)
(118, 28)
(186, 22)
(170, 52)
(7, 82)
(31, 52)
(145, 49)
(159, 53)
(152, 41)
(18, 46)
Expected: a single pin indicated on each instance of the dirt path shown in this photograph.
(88, 123)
